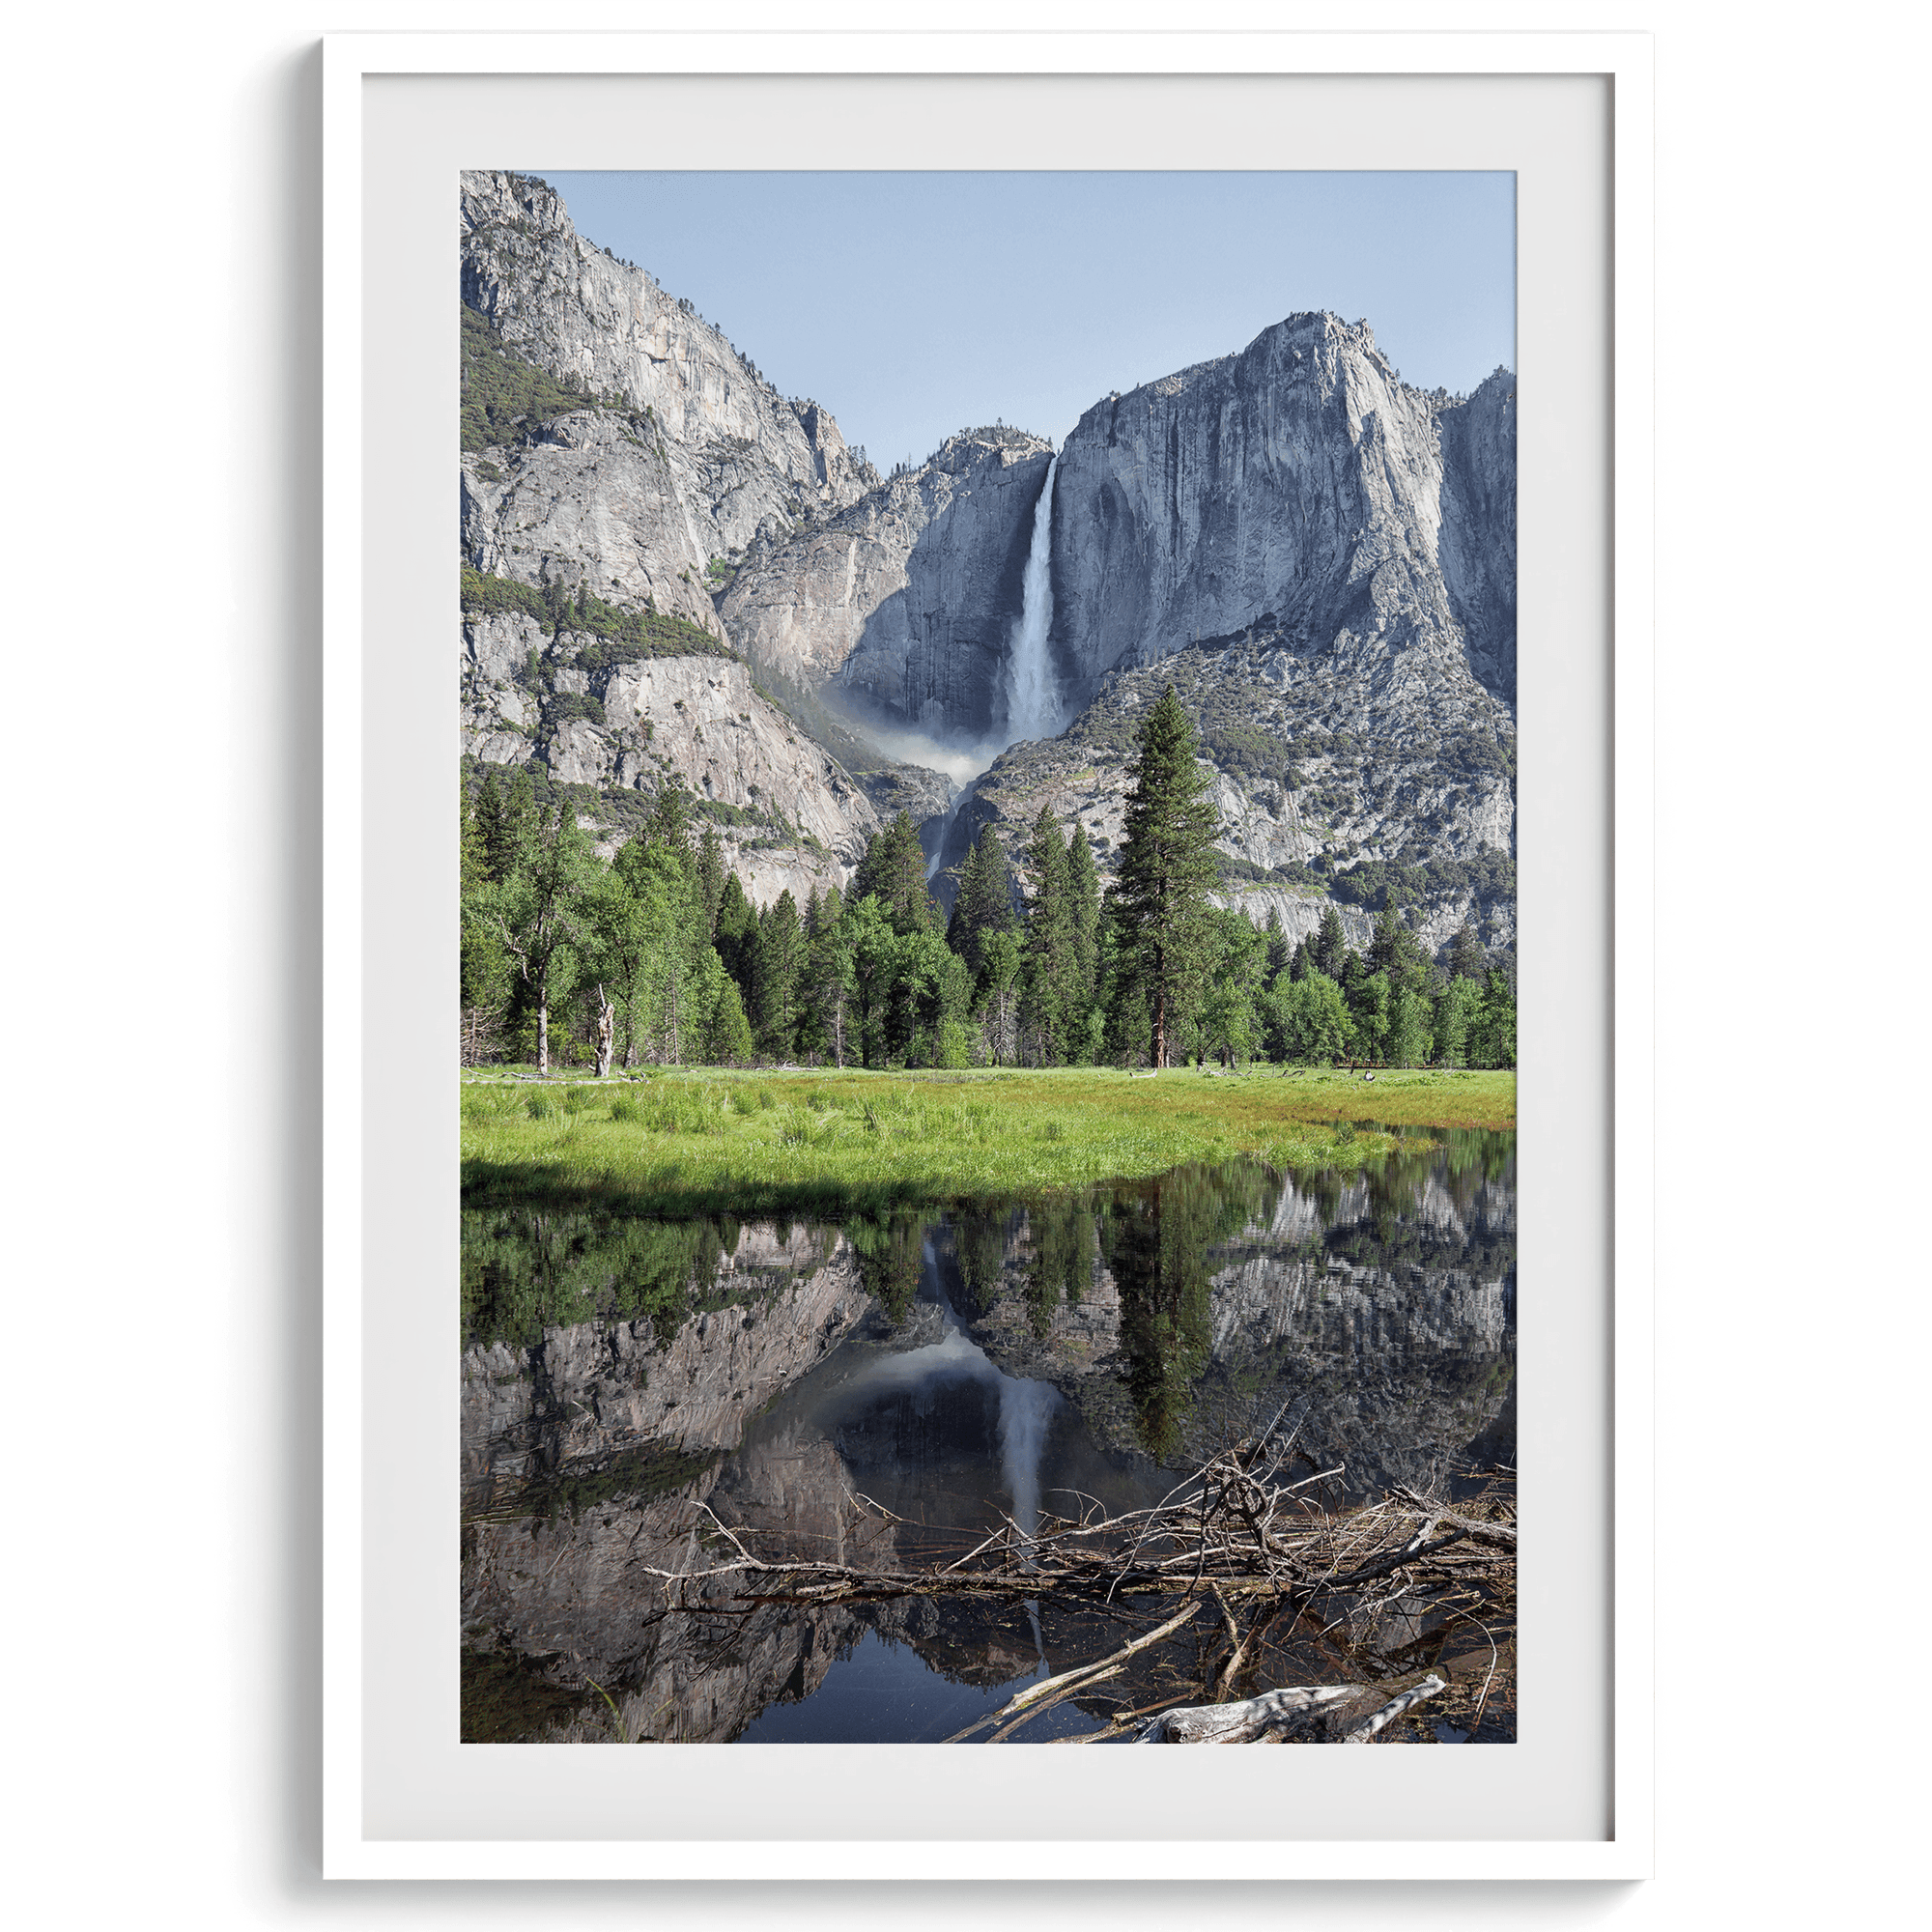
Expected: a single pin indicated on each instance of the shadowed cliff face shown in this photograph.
(1478, 542)
(905, 602)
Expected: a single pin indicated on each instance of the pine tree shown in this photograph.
(730, 1042)
(1466, 958)
(669, 822)
(1082, 910)
(1052, 971)
(829, 980)
(735, 931)
(1279, 954)
(506, 819)
(893, 871)
(1370, 1012)
(777, 967)
(985, 904)
(484, 967)
(1329, 950)
(473, 852)
(1167, 862)
(1128, 1035)
(1396, 951)
(1000, 977)
(710, 879)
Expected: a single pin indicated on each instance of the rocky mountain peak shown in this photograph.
(747, 456)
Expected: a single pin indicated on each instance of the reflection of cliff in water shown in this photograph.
(769, 1378)
(1380, 1307)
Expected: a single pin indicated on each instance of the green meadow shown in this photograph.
(696, 1141)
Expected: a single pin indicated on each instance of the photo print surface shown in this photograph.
(987, 957)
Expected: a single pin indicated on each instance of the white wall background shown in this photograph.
(161, 976)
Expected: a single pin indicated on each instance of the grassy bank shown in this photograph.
(700, 1140)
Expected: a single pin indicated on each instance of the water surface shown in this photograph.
(887, 1392)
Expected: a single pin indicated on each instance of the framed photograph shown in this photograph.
(1045, 914)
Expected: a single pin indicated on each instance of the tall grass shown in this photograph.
(696, 1141)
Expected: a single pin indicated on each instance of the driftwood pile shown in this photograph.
(1237, 1539)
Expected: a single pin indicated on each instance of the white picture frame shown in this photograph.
(388, 1290)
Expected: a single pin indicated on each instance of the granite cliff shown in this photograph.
(788, 814)
(679, 454)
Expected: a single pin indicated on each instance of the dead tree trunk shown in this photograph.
(607, 1025)
(1260, 1719)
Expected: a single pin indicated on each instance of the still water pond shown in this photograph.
(885, 1392)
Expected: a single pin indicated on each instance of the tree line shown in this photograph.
(660, 956)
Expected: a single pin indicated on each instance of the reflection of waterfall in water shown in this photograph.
(1027, 1408)
(1033, 693)
(1038, 1635)
(1026, 1415)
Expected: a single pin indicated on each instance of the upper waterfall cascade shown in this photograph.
(1033, 691)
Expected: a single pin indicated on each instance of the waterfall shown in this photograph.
(945, 827)
(1033, 693)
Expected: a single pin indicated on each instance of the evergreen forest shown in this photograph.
(659, 957)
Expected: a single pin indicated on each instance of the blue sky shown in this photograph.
(912, 306)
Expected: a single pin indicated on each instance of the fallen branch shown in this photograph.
(1393, 1709)
(1074, 1679)
(1501, 1534)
